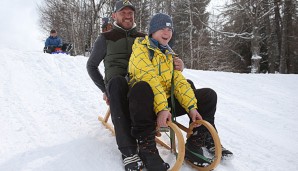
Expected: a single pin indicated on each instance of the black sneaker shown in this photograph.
(153, 161)
(225, 154)
(149, 154)
(194, 152)
(132, 163)
(210, 146)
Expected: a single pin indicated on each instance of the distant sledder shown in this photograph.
(106, 26)
(65, 49)
(54, 45)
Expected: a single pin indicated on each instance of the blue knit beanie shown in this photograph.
(160, 21)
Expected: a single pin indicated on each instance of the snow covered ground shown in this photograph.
(49, 108)
(19, 25)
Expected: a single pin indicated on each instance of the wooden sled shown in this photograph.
(104, 121)
(176, 133)
(181, 147)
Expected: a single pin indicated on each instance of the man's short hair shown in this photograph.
(53, 31)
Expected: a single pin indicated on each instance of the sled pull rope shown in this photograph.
(170, 51)
(173, 111)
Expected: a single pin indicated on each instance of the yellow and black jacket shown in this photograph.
(157, 71)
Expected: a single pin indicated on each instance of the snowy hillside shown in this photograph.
(49, 108)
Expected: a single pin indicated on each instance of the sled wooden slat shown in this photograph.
(160, 142)
(182, 127)
(104, 121)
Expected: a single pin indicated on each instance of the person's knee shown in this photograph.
(141, 98)
(117, 85)
(141, 90)
(142, 86)
(206, 95)
(191, 84)
(210, 94)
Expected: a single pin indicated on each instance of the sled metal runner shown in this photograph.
(175, 131)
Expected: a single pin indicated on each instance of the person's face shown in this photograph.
(163, 36)
(54, 34)
(124, 18)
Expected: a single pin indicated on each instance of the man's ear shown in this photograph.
(114, 15)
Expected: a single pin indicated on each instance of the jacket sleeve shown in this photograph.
(47, 42)
(183, 92)
(141, 69)
(60, 42)
(97, 55)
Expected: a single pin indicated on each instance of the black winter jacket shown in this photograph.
(114, 47)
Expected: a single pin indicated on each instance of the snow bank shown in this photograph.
(49, 108)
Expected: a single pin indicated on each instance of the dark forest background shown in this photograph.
(246, 36)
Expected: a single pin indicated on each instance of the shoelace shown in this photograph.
(212, 149)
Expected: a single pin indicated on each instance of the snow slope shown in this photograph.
(49, 108)
(20, 27)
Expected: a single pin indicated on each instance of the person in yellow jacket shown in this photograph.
(153, 83)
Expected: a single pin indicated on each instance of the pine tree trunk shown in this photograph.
(277, 30)
(255, 50)
(289, 7)
(283, 67)
(169, 7)
(140, 13)
(190, 35)
(269, 40)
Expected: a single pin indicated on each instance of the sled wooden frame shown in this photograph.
(176, 130)
(174, 127)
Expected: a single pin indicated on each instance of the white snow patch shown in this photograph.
(49, 108)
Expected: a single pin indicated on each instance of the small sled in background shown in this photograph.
(65, 49)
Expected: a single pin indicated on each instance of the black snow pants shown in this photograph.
(141, 99)
(117, 90)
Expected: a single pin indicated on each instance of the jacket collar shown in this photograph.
(149, 43)
(153, 46)
(53, 37)
(130, 31)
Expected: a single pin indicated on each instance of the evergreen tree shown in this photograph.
(190, 33)
(142, 14)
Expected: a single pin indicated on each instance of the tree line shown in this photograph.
(246, 36)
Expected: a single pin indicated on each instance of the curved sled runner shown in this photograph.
(181, 147)
(217, 157)
(175, 132)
